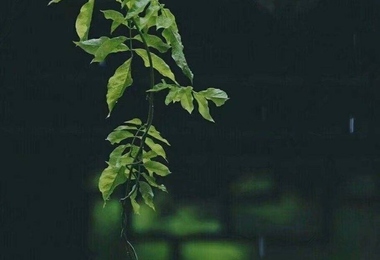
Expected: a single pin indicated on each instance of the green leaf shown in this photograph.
(92, 46)
(158, 149)
(187, 99)
(154, 42)
(158, 87)
(136, 8)
(54, 2)
(107, 47)
(149, 155)
(116, 154)
(203, 106)
(118, 136)
(147, 193)
(164, 21)
(110, 178)
(219, 97)
(83, 21)
(158, 63)
(125, 127)
(156, 167)
(174, 95)
(116, 17)
(152, 182)
(134, 121)
(156, 134)
(173, 38)
(135, 205)
(150, 14)
(118, 83)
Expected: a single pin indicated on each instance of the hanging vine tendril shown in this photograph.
(139, 156)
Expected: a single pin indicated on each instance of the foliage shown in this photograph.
(151, 31)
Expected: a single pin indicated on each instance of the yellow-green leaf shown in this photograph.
(107, 47)
(118, 136)
(203, 106)
(158, 149)
(110, 178)
(136, 8)
(156, 134)
(173, 38)
(150, 14)
(83, 21)
(116, 154)
(134, 121)
(93, 45)
(158, 87)
(116, 17)
(218, 96)
(158, 64)
(164, 21)
(118, 83)
(187, 99)
(147, 193)
(156, 167)
(154, 42)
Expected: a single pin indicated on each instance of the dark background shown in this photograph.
(53, 106)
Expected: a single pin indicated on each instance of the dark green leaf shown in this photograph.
(154, 42)
(110, 178)
(156, 167)
(135, 205)
(118, 136)
(83, 21)
(136, 8)
(203, 106)
(152, 182)
(155, 134)
(219, 97)
(158, 63)
(187, 99)
(107, 47)
(147, 193)
(118, 83)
